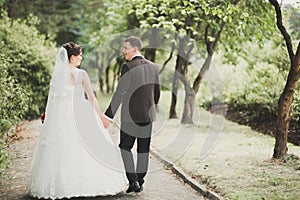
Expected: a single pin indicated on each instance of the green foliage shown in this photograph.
(1, 2)
(14, 104)
(294, 20)
(60, 20)
(253, 87)
(13, 99)
(30, 58)
(201, 20)
(24, 74)
(295, 114)
(253, 23)
(267, 72)
(4, 156)
(253, 91)
(109, 18)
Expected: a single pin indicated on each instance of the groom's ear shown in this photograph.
(136, 49)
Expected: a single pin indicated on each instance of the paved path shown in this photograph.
(160, 183)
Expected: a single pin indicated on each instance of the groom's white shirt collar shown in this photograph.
(138, 54)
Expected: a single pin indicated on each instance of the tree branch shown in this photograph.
(282, 29)
(218, 35)
(170, 57)
(207, 42)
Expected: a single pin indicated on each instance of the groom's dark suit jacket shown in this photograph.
(138, 90)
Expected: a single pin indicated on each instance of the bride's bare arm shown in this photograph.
(86, 82)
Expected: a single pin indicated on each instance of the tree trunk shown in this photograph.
(176, 77)
(150, 54)
(154, 42)
(117, 70)
(107, 79)
(286, 98)
(100, 79)
(11, 8)
(284, 108)
(204, 69)
(189, 102)
(175, 84)
(115, 75)
(170, 57)
(100, 72)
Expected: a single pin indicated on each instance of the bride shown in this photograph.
(75, 155)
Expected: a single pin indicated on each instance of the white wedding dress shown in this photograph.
(75, 155)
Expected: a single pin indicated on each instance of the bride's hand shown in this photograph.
(105, 121)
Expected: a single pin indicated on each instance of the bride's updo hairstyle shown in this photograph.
(72, 49)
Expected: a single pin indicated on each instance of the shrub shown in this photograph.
(25, 61)
(31, 57)
(14, 104)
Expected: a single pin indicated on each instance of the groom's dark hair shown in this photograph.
(134, 42)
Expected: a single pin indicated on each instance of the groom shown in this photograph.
(138, 91)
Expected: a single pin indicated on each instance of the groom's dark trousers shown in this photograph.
(128, 135)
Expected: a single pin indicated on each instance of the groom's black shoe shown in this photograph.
(134, 187)
(141, 182)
